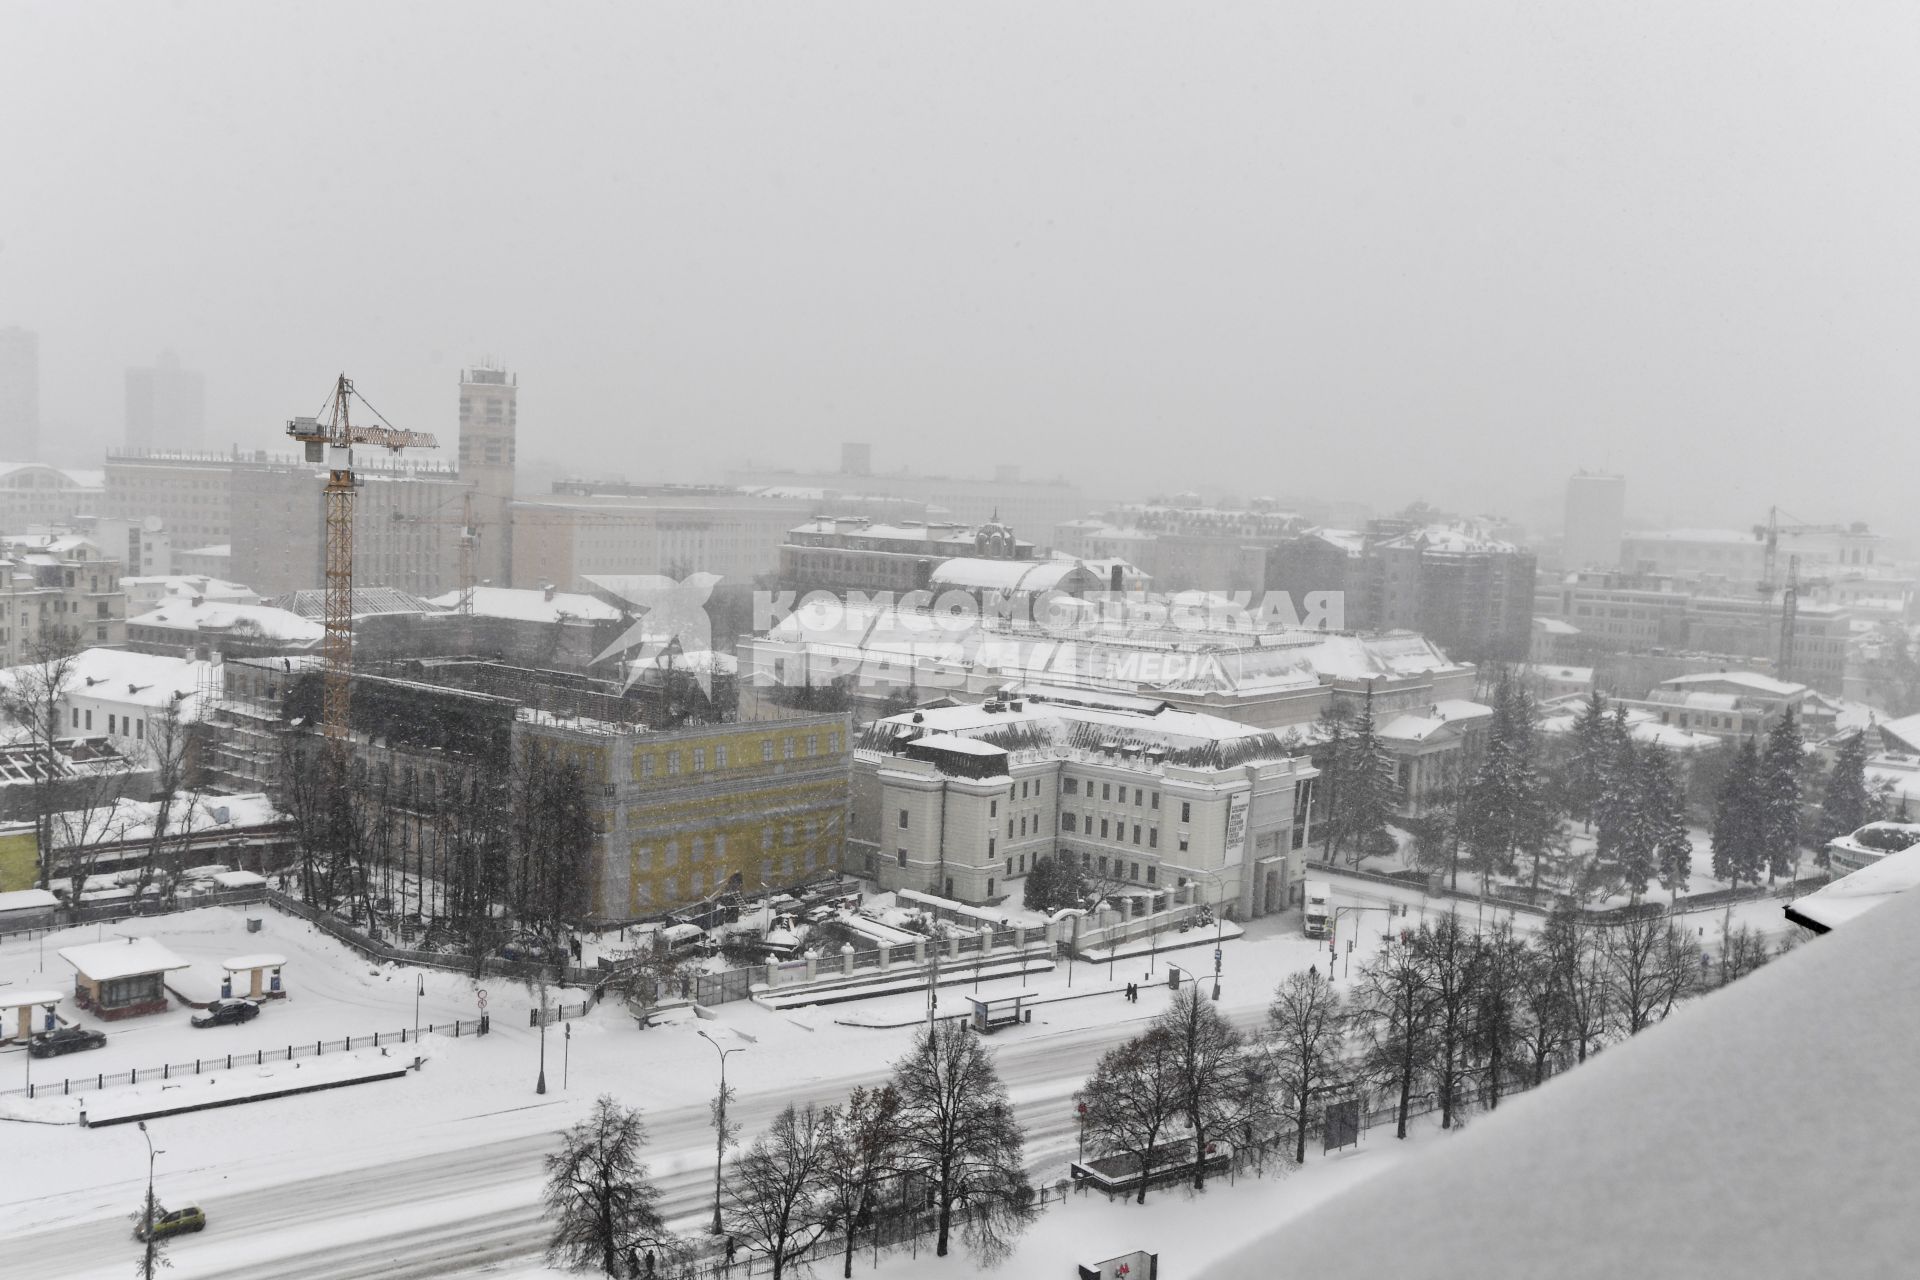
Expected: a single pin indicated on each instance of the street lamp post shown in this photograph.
(541, 1085)
(720, 1125)
(151, 1256)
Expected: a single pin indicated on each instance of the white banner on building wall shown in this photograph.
(1235, 845)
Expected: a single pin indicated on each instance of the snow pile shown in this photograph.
(1680, 1152)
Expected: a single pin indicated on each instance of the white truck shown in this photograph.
(1316, 909)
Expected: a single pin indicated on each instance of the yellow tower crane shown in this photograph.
(330, 438)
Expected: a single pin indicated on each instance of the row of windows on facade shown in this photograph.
(1017, 866)
(118, 726)
(1070, 787)
(789, 749)
(790, 833)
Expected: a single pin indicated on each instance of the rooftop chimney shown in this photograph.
(546, 593)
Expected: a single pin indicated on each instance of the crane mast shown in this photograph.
(330, 440)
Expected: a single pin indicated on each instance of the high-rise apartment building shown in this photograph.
(1596, 509)
(166, 406)
(489, 409)
(19, 394)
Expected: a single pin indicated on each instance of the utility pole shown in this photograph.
(719, 1125)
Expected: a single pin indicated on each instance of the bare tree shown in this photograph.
(1306, 1044)
(1209, 1052)
(862, 1143)
(1133, 1098)
(1499, 1013)
(1649, 967)
(1451, 957)
(1542, 1025)
(169, 751)
(1742, 950)
(90, 820)
(600, 1201)
(777, 1184)
(31, 699)
(960, 1131)
(1396, 997)
(1578, 967)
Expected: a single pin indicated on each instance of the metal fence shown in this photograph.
(257, 1057)
(563, 1012)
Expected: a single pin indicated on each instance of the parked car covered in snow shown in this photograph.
(226, 1013)
(51, 1044)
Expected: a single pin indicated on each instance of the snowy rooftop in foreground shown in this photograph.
(1835, 904)
(1670, 1155)
(105, 961)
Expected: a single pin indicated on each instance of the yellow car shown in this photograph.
(173, 1222)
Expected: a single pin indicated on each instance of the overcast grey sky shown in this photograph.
(1385, 251)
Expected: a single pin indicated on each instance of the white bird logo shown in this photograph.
(668, 613)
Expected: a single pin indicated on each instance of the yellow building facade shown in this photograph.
(680, 813)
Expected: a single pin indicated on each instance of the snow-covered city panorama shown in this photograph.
(1121, 641)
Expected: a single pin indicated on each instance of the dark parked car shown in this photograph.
(173, 1222)
(51, 1044)
(226, 1013)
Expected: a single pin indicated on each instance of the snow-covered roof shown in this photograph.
(1455, 538)
(195, 584)
(959, 744)
(1797, 1076)
(1030, 576)
(182, 613)
(214, 549)
(1906, 729)
(529, 605)
(1455, 713)
(137, 679)
(105, 961)
(27, 900)
(128, 820)
(1643, 727)
(1394, 653)
(1833, 905)
(1694, 701)
(254, 960)
(1555, 627)
(367, 601)
(1745, 679)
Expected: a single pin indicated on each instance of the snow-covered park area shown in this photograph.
(439, 1173)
